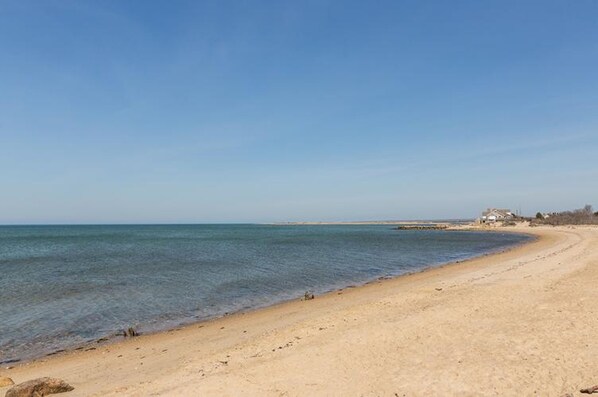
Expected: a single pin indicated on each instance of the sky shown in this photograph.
(264, 111)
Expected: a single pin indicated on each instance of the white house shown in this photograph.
(496, 214)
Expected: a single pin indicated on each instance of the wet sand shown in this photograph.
(518, 323)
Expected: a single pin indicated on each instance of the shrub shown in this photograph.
(582, 216)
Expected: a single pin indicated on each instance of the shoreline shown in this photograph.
(116, 337)
(238, 339)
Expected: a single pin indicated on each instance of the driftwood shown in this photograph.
(130, 332)
(590, 390)
(308, 296)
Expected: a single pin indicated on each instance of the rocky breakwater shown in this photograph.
(423, 227)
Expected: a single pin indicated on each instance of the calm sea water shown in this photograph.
(63, 286)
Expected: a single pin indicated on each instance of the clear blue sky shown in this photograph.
(242, 111)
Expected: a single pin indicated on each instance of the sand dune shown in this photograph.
(520, 323)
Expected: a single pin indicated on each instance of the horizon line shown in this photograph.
(311, 222)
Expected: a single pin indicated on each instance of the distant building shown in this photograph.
(496, 214)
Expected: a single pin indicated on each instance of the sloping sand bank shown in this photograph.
(520, 323)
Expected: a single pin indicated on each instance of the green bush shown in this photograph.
(539, 215)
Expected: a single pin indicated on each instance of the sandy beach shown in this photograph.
(519, 323)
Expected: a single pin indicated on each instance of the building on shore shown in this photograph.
(496, 214)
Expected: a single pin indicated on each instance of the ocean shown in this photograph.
(64, 286)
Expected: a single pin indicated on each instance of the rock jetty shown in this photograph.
(422, 227)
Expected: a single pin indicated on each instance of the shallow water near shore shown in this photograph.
(64, 286)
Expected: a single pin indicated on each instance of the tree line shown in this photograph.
(581, 216)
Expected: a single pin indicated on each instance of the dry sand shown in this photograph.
(520, 323)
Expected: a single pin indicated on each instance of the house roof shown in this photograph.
(496, 211)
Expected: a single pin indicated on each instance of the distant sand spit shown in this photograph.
(519, 323)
